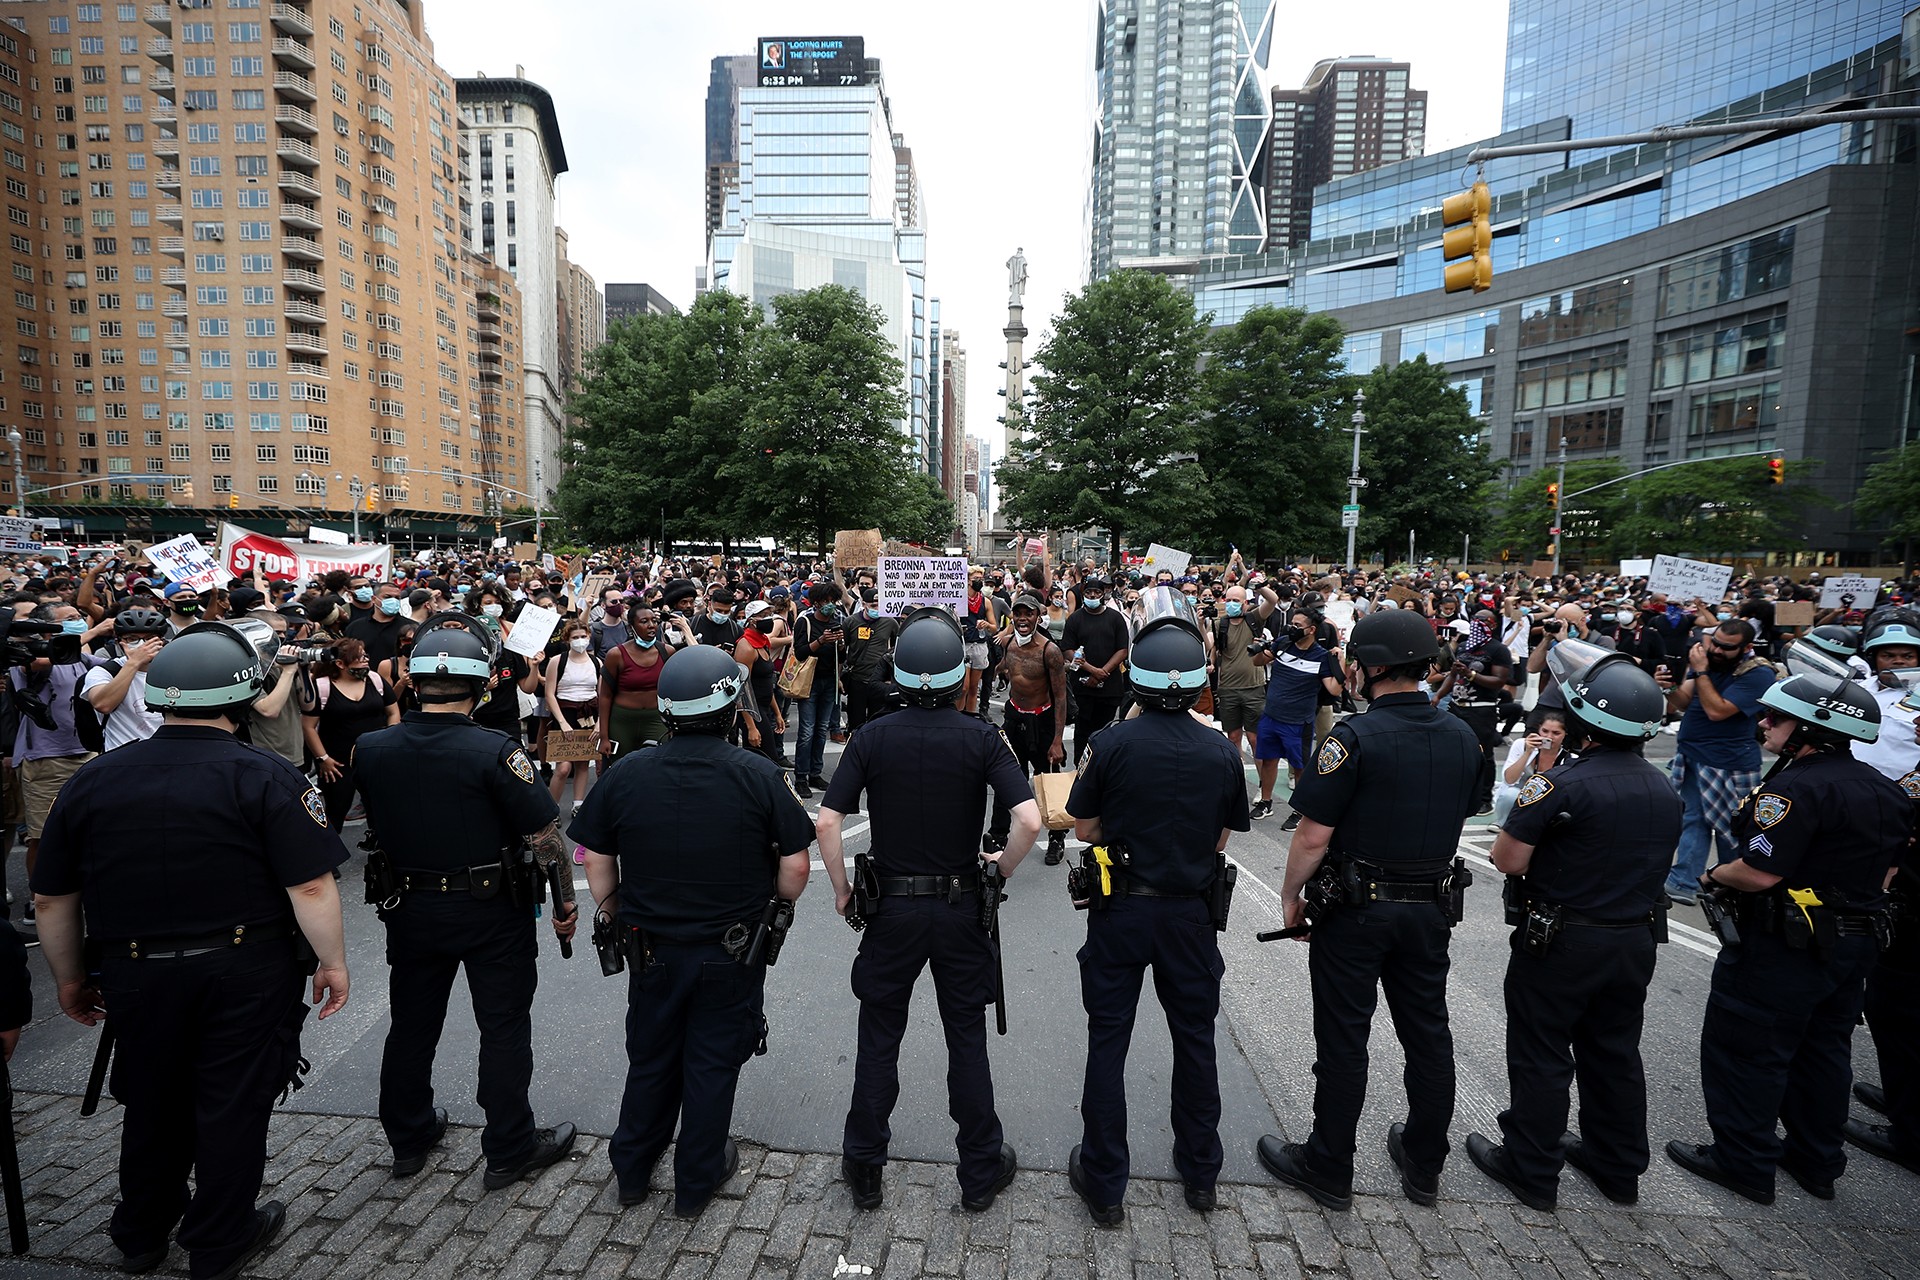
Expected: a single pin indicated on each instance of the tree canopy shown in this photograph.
(1426, 469)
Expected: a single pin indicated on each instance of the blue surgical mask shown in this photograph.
(390, 606)
(719, 619)
(363, 595)
(645, 644)
(1233, 608)
(74, 627)
(1724, 616)
(1095, 603)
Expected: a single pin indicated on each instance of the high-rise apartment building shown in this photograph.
(827, 194)
(1351, 115)
(971, 485)
(1180, 130)
(514, 136)
(582, 313)
(730, 74)
(953, 416)
(627, 300)
(239, 267)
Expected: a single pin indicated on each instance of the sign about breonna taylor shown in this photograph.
(1685, 579)
(913, 582)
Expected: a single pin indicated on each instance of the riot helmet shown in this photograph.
(136, 620)
(451, 646)
(1607, 692)
(1392, 638)
(1841, 642)
(1832, 712)
(1805, 657)
(1167, 666)
(699, 689)
(929, 658)
(1897, 627)
(210, 669)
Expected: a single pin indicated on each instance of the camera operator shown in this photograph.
(1569, 622)
(273, 721)
(43, 674)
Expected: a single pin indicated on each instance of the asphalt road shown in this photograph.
(795, 1097)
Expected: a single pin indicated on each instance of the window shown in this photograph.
(263, 391)
(266, 453)
(201, 100)
(243, 33)
(268, 484)
(249, 99)
(250, 166)
(1743, 270)
(203, 166)
(203, 133)
(248, 67)
(217, 391)
(255, 132)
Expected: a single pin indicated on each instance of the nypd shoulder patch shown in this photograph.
(1533, 791)
(1769, 809)
(1911, 784)
(316, 805)
(521, 766)
(788, 779)
(1333, 754)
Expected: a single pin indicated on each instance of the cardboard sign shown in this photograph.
(1793, 613)
(575, 744)
(1862, 591)
(242, 551)
(531, 631)
(1176, 562)
(912, 582)
(591, 589)
(1685, 579)
(1540, 569)
(1036, 549)
(856, 548)
(183, 559)
(1400, 595)
(1636, 568)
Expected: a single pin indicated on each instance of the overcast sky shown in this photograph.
(994, 97)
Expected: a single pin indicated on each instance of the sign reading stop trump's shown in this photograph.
(242, 551)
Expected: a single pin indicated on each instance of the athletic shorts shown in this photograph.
(977, 655)
(1276, 741)
(1239, 709)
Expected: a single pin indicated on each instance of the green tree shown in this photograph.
(1891, 495)
(921, 512)
(823, 449)
(1115, 422)
(1427, 474)
(618, 485)
(1269, 444)
(1707, 509)
(1521, 531)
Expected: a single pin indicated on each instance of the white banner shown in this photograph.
(332, 537)
(1686, 580)
(1175, 562)
(1635, 568)
(279, 560)
(1854, 593)
(912, 582)
(183, 559)
(19, 533)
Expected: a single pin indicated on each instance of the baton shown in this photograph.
(10, 1165)
(992, 880)
(1281, 935)
(558, 885)
(97, 1078)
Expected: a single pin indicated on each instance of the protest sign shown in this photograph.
(531, 631)
(242, 551)
(1854, 593)
(910, 582)
(1400, 595)
(595, 584)
(856, 548)
(1036, 549)
(1540, 569)
(1635, 568)
(1793, 613)
(575, 744)
(183, 559)
(1340, 614)
(18, 534)
(332, 537)
(1685, 579)
(1175, 562)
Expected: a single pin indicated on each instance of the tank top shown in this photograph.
(579, 679)
(635, 678)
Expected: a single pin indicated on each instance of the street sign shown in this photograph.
(1555, 531)
(1357, 482)
(1349, 516)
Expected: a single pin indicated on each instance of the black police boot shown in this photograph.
(863, 1182)
(405, 1166)
(1104, 1215)
(1698, 1158)
(1200, 1199)
(1056, 848)
(1871, 1096)
(549, 1146)
(637, 1193)
(267, 1221)
(1009, 1164)
(683, 1208)
(1421, 1190)
(1878, 1138)
(1287, 1161)
(1498, 1165)
(1576, 1153)
(1818, 1188)
(138, 1264)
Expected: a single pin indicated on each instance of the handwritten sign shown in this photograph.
(1793, 613)
(575, 744)
(183, 559)
(1175, 562)
(1685, 579)
(1862, 591)
(856, 548)
(912, 582)
(1635, 568)
(531, 631)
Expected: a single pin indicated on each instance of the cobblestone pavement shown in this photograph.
(786, 1215)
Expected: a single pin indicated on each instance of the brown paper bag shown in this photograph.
(1052, 790)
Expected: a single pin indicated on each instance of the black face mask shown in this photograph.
(764, 625)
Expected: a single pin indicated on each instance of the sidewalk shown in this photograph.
(789, 1216)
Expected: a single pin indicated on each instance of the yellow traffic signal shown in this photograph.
(1553, 494)
(1776, 471)
(186, 492)
(1467, 244)
(370, 500)
(233, 502)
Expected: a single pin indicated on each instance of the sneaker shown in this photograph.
(817, 780)
(1292, 823)
(801, 789)
(1261, 809)
(1056, 848)
(579, 855)
(26, 914)
(549, 1147)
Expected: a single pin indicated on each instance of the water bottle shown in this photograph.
(1079, 656)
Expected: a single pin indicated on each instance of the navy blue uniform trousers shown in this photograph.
(1576, 1012)
(1399, 948)
(429, 938)
(1777, 1044)
(904, 936)
(204, 1045)
(1893, 1014)
(1177, 938)
(693, 1020)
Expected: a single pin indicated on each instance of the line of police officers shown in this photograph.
(697, 851)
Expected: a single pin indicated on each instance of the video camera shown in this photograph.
(304, 654)
(26, 641)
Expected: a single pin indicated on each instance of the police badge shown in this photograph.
(521, 766)
(1332, 756)
(1769, 809)
(316, 805)
(1911, 785)
(1535, 790)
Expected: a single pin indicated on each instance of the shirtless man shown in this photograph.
(1036, 674)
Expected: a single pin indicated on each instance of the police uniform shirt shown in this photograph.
(1826, 821)
(698, 827)
(1896, 752)
(926, 772)
(1163, 787)
(185, 834)
(1610, 855)
(1396, 784)
(443, 793)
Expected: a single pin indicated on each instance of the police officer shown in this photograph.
(449, 804)
(201, 864)
(696, 838)
(927, 769)
(1162, 792)
(1586, 850)
(1384, 805)
(1816, 842)
(1893, 1015)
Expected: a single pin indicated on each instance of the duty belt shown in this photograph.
(436, 880)
(948, 887)
(1137, 890)
(1853, 926)
(1570, 916)
(179, 948)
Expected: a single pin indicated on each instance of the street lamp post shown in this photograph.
(1353, 476)
(15, 439)
(356, 491)
(1559, 512)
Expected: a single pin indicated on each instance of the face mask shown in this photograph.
(1233, 608)
(1095, 603)
(1524, 611)
(764, 626)
(579, 644)
(363, 595)
(645, 644)
(74, 627)
(719, 619)
(1624, 618)
(119, 581)
(1025, 637)
(829, 612)
(613, 611)
(491, 610)
(187, 607)
(390, 607)
(1724, 616)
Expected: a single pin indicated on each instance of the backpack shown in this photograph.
(88, 724)
(323, 687)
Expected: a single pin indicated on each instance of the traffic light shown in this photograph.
(370, 500)
(1468, 243)
(1776, 471)
(1553, 494)
(233, 502)
(186, 491)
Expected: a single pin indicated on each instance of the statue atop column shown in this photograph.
(1016, 277)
